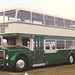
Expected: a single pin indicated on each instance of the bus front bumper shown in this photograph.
(4, 63)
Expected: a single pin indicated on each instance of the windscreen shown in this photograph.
(9, 41)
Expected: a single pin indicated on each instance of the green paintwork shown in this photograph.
(14, 53)
(61, 56)
(19, 51)
(18, 34)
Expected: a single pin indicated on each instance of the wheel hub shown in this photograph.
(20, 64)
(71, 59)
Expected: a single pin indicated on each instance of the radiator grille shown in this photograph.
(2, 55)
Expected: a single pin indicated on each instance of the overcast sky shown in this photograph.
(62, 8)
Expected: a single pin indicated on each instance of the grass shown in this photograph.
(51, 70)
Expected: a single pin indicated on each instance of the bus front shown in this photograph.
(15, 52)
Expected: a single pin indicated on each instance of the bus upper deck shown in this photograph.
(21, 15)
(23, 21)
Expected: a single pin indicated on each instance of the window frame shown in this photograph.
(9, 11)
(26, 19)
(66, 23)
(3, 16)
(57, 22)
(72, 44)
(38, 17)
(29, 42)
(60, 43)
(45, 44)
(56, 44)
(9, 40)
(48, 20)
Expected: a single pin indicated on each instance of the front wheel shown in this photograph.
(21, 64)
(71, 59)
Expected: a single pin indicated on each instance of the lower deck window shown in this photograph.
(26, 42)
(50, 44)
(9, 41)
(69, 44)
(59, 44)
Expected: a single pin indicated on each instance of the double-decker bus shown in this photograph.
(30, 39)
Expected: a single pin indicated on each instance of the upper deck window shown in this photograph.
(58, 22)
(37, 18)
(10, 16)
(67, 23)
(72, 24)
(1, 17)
(49, 20)
(23, 16)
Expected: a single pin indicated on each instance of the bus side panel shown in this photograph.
(60, 56)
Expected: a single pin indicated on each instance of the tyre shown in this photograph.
(21, 64)
(71, 59)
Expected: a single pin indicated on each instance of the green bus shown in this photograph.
(29, 39)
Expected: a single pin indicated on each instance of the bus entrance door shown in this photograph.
(39, 50)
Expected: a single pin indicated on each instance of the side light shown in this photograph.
(7, 56)
(7, 64)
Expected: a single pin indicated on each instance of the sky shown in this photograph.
(60, 8)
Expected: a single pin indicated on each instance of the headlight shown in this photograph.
(7, 56)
